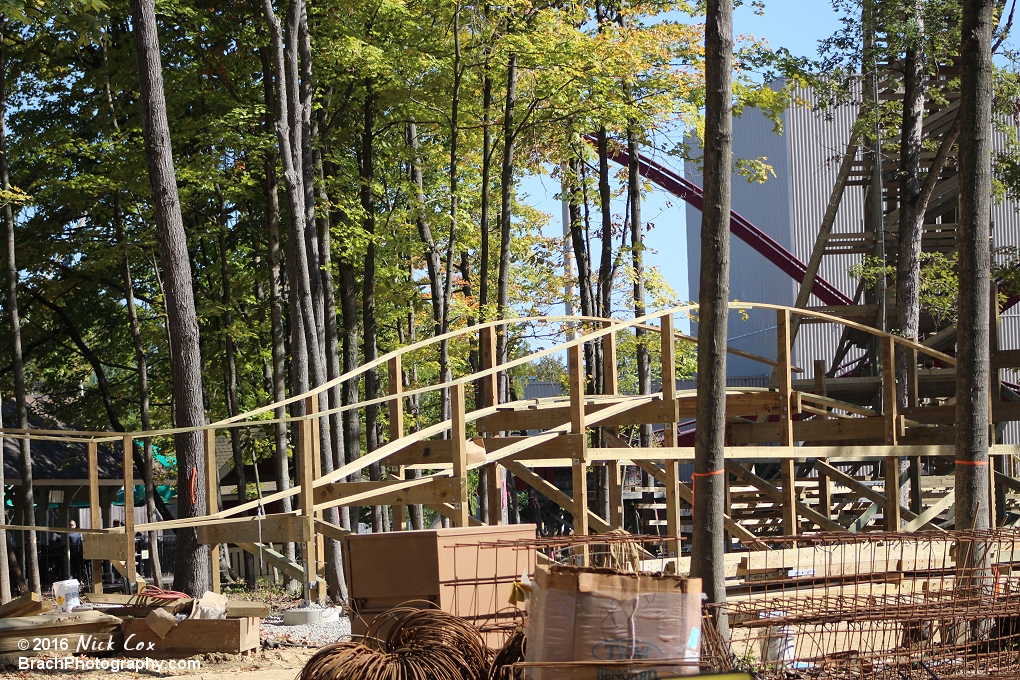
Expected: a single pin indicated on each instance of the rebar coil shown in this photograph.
(419, 644)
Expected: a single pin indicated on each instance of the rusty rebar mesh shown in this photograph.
(882, 605)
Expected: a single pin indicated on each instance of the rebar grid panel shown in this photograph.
(931, 605)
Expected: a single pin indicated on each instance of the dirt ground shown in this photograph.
(272, 664)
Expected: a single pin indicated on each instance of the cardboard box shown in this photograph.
(602, 624)
(468, 571)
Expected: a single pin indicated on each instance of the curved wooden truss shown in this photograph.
(795, 427)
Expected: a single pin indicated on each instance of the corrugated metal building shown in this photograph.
(789, 207)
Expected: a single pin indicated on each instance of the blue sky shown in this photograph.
(797, 25)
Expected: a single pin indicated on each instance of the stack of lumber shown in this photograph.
(81, 632)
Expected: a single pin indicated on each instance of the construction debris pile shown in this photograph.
(153, 623)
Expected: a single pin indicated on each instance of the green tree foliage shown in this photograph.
(76, 149)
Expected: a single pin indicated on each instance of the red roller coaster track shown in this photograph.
(739, 226)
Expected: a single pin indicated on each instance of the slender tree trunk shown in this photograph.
(605, 281)
(973, 225)
(368, 317)
(908, 264)
(17, 357)
(281, 464)
(644, 364)
(191, 574)
(708, 547)
(143, 396)
(505, 212)
(293, 131)
(485, 189)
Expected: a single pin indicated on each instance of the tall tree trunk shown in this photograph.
(505, 211)
(644, 364)
(143, 395)
(485, 189)
(191, 573)
(908, 264)
(708, 547)
(605, 281)
(293, 131)
(16, 353)
(973, 224)
(281, 464)
(368, 317)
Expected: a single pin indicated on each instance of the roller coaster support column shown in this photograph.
(306, 477)
(785, 383)
(892, 434)
(95, 511)
(396, 406)
(667, 336)
(212, 485)
(127, 442)
(489, 396)
(579, 457)
(610, 386)
(458, 433)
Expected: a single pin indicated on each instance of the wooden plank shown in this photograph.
(26, 605)
(648, 412)
(127, 444)
(889, 406)
(306, 479)
(854, 485)
(331, 530)
(277, 528)
(487, 353)
(609, 378)
(931, 513)
(1006, 358)
(829, 402)
(579, 466)
(438, 453)
(212, 487)
(275, 559)
(893, 512)
(671, 478)
(824, 488)
(737, 404)
(685, 493)
(492, 476)
(814, 430)
(458, 434)
(778, 496)
(782, 372)
(554, 494)
(95, 510)
(111, 546)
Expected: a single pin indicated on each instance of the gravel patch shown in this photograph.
(274, 633)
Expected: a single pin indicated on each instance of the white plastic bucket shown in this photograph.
(66, 593)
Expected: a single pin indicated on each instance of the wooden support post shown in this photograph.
(890, 412)
(579, 457)
(824, 487)
(915, 461)
(458, 435)
(95, 510)
(785, 384)
(672, 478)
(127, 442)
(615, 494)
(306, 503)
(212, 486)
(396, 408)
(893, 516)
(495, 491)
(490, 397)
(487, 353)
(610, 385)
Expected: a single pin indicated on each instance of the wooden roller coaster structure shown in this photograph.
(796, 426)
